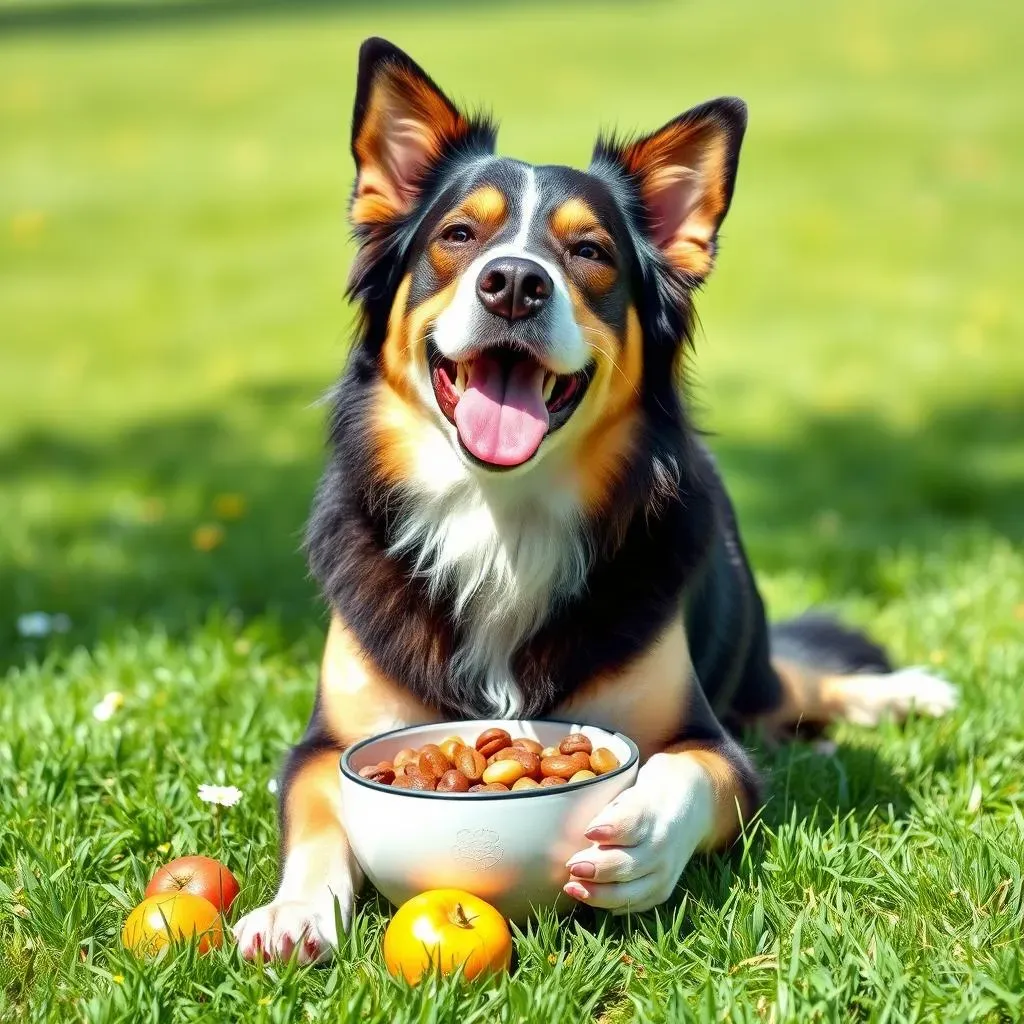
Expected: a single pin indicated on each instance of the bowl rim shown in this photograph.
(348, 773)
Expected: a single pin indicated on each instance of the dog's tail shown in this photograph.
(830, 672)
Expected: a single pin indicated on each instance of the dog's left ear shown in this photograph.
(684, 174)
(402, 125)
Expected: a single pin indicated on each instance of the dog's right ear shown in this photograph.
(402, 126)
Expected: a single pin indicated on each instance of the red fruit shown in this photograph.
(200, 876)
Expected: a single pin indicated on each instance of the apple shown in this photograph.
(199, 876)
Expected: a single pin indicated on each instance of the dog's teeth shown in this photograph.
(549, 386)
(460, 378)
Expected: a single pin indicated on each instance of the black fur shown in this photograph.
(815, 639)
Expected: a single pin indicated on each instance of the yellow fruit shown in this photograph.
(173, 917)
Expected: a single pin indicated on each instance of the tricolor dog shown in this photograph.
(517, 518)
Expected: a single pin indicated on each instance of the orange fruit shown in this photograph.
(172, 917)
(449, 928)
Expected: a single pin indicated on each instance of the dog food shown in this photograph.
(495, 763)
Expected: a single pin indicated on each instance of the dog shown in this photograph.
(518, 518)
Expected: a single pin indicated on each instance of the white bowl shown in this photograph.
(508, 848)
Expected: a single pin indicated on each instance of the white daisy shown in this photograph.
(224, 796)
(108, 707)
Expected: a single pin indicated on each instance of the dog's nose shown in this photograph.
(514, 287)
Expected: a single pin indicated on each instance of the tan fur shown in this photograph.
(818, 698)
(573, 222)
(731, 805)
(405, 344)
(398, 98)
(609, 412)
(485, 210)
(311, 803)
(692, 153)
(356, 699)
(485, 206)
(646, 699)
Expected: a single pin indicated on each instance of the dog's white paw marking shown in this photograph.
(644, 838)
(867, 699)
(283, 928)
(318, 885)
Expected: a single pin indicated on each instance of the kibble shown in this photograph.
(506, 772)
(432, 762)
(384, 773)
(471, 763)
(603, 760)
(495, 763)
(574, 742)
(492, 740)
(450, 745)
(453, 781)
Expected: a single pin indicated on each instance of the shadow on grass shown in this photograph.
(826, 500)
(140, 527)
(834, 495)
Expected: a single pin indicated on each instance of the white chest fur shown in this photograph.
(507, 555)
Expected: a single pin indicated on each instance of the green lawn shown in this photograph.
(172, 254)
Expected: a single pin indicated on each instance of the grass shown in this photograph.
(172, 187)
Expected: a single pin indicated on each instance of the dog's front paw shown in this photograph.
(283, 928)
(644, 838)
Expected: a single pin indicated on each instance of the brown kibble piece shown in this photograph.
(453, 781)
(531, 745)
(404, 757)
(583, 775)
(551, 780)
(575, 742)
(505, 772)
(471, 763)
(384, 773)
(432, 762)
(603, 760)
(549, 752)
(476, 788)
(560, 764)
(525, 783)
(505, 754)
(581, 760)
(414, 779)
(490, 741)
(491, 787)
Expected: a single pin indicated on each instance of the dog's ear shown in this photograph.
(684, 174)
(402, 125)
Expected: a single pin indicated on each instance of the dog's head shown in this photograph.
(526, 322)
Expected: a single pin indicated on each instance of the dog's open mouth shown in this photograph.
(503, 402)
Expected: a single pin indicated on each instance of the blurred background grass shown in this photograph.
(173, 179)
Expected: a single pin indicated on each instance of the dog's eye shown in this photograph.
(591, 251)
(457, 234)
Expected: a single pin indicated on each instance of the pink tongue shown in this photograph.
(502, 421)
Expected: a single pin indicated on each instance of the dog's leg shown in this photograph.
(692, 796)
(864, 698)
(319, 876)
(827, 672)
